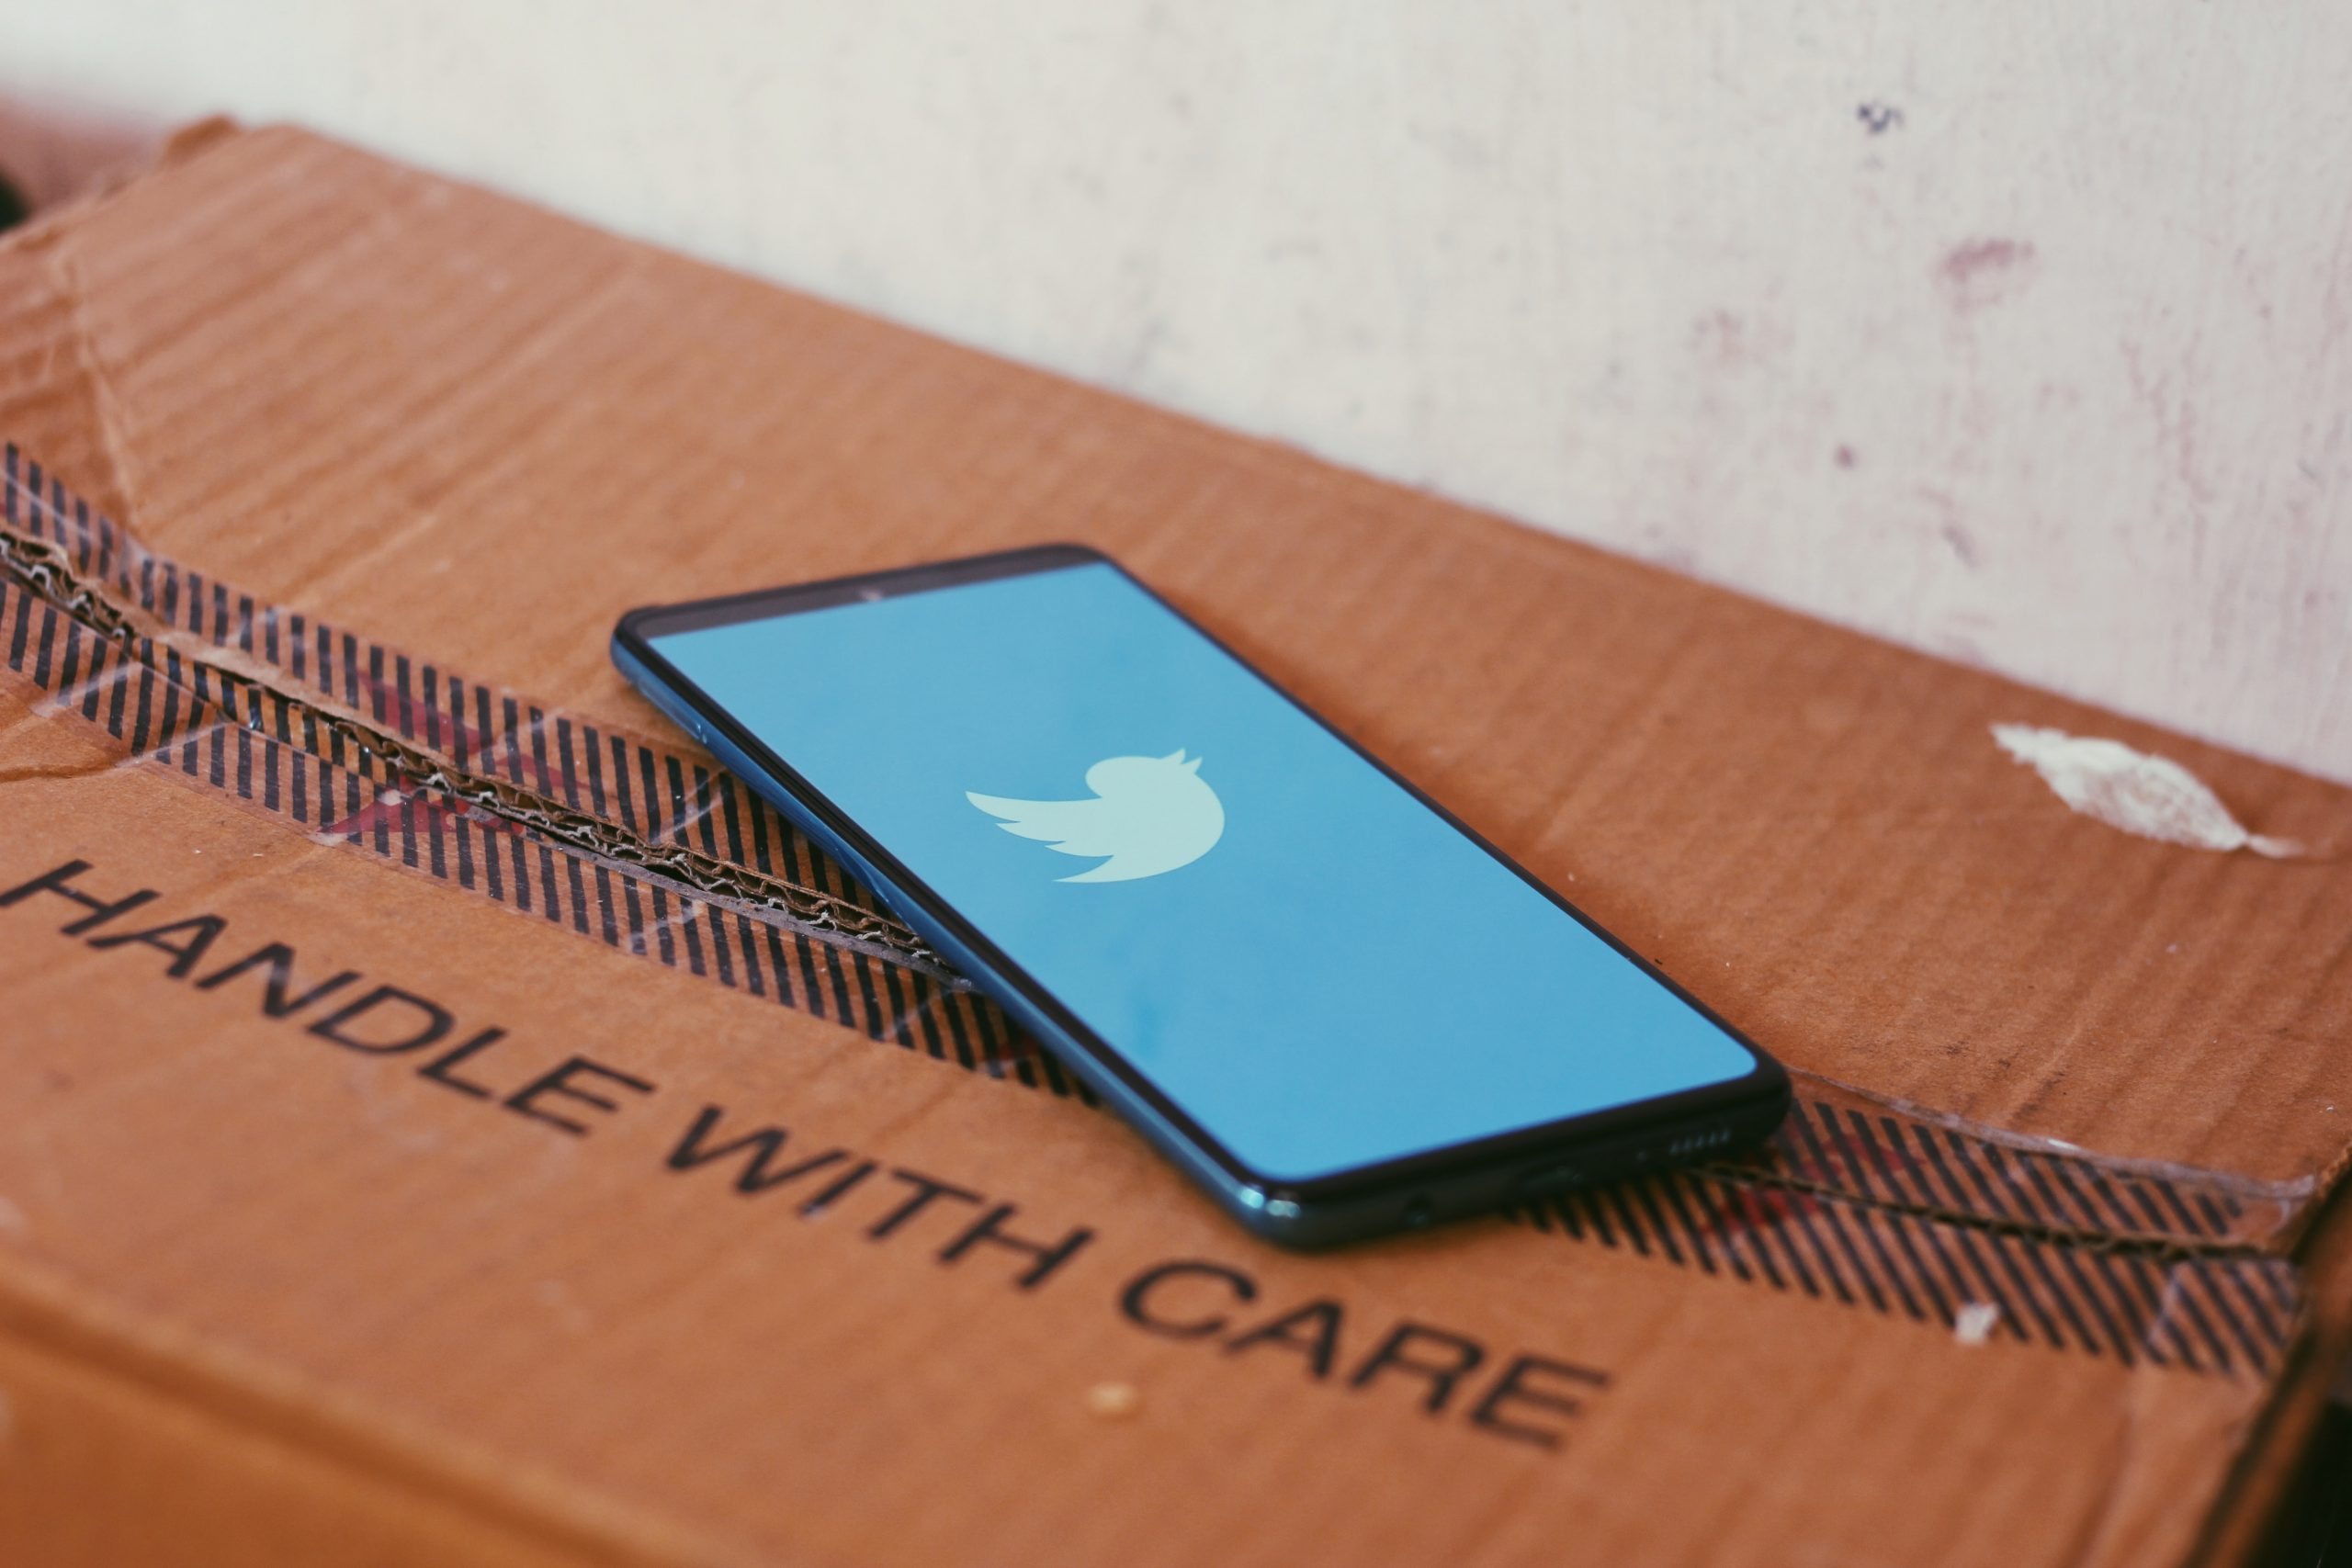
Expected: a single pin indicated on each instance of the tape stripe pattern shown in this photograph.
(1825, 1211)
(2229, 1312)
(669, 797)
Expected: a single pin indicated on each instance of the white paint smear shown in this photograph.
(2153, 797)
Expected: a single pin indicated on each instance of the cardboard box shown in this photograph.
(444, 1119)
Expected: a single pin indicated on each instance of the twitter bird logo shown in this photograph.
(1148, 815)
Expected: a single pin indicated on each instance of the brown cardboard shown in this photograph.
(2068, 1092)
(2275, 1487)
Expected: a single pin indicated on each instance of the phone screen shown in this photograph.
(1320, 972)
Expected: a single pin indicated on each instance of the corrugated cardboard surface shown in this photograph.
(378, 453)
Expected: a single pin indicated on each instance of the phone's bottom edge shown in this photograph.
(1313, 1224)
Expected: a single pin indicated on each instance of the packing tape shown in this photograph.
(656, 852)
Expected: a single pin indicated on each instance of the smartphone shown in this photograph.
(1338, 1008)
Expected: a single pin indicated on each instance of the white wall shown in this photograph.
(2052, 368)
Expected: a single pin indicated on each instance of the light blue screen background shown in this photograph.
(1342, 980)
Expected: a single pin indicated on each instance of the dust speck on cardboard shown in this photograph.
(1974, 1322)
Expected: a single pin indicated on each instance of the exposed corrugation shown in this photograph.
(50, 571)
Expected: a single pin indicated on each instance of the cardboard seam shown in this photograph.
(45, 573)
(49, 572)
(2290, 1195)
(1900, 1165)
(2231, 1314)
(2158, 1249)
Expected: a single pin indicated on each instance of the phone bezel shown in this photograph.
(1747, 1100)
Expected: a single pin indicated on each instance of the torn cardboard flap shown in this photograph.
(627, 1089)
(459, 760)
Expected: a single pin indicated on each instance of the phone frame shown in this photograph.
(1523, 1165)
